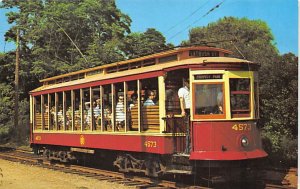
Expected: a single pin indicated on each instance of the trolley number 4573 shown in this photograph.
(150, 144)
(242, 127)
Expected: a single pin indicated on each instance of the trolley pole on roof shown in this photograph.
(16, 112)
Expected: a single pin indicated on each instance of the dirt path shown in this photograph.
(20, 176)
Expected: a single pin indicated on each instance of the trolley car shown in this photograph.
(104, 112)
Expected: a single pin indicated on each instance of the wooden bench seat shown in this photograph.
(38, 121)
(149, 118)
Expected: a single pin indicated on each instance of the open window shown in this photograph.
(150, 105)
(240, 97)
(59, 113)
(107, 108)
(87, 109)
(209, 101)
(97, 109)
(52, 110)
(69, 110)
(45, 111)
(120, 107)
(38, 113)
(173, 82)
(132, 107)
(77, 110)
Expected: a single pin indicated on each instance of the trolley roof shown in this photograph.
(197, 55)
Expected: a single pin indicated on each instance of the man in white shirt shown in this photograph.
(184, 97)
(185, 104)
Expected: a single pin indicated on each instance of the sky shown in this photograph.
(174, 18)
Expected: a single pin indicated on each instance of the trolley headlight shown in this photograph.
(244, 141)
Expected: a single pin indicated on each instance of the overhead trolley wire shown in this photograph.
(207, 13)
(183, 20)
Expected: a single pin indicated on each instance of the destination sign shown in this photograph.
(204, 53)
(208, 76)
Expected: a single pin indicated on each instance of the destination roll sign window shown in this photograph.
(208, 76)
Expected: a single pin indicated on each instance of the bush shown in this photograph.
(282, 150)
(4, 134)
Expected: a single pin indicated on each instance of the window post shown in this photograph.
(42, 112)
(113, 108)
(34, 112)
(56, 111)
(81, 110)
(125, 106)
(92, 119)
(64, 110)
(101, 108)
(72, 109)
(162, 102)
(139, 86)
(49, 112)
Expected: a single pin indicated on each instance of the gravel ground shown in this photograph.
(19, 176)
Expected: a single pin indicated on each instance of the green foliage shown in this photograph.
(51, 30)
(282, 150)
(138, 44)
(7, 129)
(6, 111)
(7, 68)
(24, 129)
(279, 94)
(279, 112)
(251, 37)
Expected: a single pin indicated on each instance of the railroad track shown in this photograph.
(278, 179)
(27, 157)
(102, 175)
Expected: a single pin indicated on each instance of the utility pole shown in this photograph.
(16, 117)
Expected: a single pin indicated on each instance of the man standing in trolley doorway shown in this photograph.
(184, 98)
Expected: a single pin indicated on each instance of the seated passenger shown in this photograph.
(120, 113)
(46, 108)
(69, 118)
(60, 117)
(52, 117)
(107, 117)
(87, 113)
(97, 112)
(149, 101)
(133, 101)
(97, 108)
(220, 102)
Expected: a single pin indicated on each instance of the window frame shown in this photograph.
(208, 116)
(241, 92)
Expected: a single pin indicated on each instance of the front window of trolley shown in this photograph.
(240, 97)
(209, 100)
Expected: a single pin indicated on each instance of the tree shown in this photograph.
(7, 61)
(279, 113)
(253, 38)
(138, 44)
(63, 36)
(6, 111)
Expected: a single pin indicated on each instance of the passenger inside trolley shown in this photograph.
(97, 114)
(133, 102)
(120, 114)
(150, 98)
